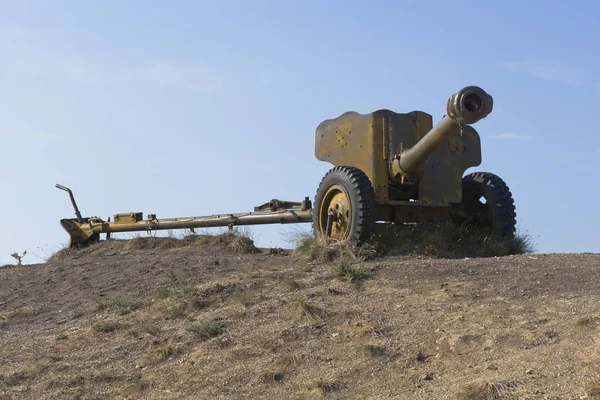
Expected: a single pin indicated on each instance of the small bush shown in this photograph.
(322, 249)
(125, 306)
(149, 328)
(161, 294)
(344, 270)
(105, 327)
(19, 258)
(175, 311)
(188, 290)
(207, 330)
(239, 244)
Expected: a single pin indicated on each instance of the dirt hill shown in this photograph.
(218, 321)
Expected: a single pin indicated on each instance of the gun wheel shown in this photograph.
(487, 202)
(345, 203)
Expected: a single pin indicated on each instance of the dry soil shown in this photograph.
(203, 321)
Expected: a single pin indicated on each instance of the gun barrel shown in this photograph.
(467, 106)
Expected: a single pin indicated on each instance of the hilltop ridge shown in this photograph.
(216, 320)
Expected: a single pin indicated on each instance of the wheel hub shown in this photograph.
(336, 206)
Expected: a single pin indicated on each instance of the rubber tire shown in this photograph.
(498, 198)
(362, 200)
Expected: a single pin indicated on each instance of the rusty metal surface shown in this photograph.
(86, 230)
(66, 189)
(128, 218)
(368, 142)
(403, 155)
(276, 205)
(82, 232)
(467, 106)
(355, 139)
(441, 181)
(411, 161)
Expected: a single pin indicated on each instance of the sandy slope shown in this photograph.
(522, 327)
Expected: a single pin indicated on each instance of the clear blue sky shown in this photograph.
(194, 108)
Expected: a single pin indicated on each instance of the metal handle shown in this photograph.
(66, 189)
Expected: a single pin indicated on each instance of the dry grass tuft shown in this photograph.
(347, 272)
(592, 388)
(287, 362)
(421, 356)
(138, 387)
(55, 357)
(592, 320)
(161, 294)
(249, 299)
(166, 352)
(14, 379)
(357, 328)
(328, 385)
(207, 330)
(487, 390)
(308, 310)
(442, 239)
(270, 377)
(238, 242)
(372, 350)
(107, 326)
(447, 240)
(291, 285)
(198, 303)
(125, 306)
(175, 311)
(24, 312)
(149, 328)
(324, 249)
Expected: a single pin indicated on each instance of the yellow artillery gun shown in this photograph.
(388, 168)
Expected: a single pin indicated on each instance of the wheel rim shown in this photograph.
(336, 198)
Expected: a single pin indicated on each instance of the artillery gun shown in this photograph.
(388, 168)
